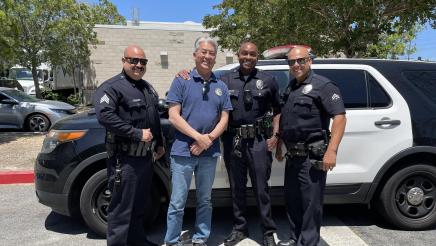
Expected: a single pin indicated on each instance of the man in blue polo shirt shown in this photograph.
(199, 110)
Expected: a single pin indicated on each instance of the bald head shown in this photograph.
(134, 62)
(133, 49)
(299, 62)
(299, 51)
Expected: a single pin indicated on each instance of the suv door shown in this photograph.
(378, 122)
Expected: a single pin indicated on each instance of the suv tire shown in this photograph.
(408, 198)
(95, 199)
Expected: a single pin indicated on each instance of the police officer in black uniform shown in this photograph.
(309, 102)
(250, 137)
(126, 105)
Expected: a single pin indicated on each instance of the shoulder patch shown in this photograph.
(104, 99)
(335, 97)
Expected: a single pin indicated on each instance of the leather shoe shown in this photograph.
(290, 242)
(234, 238)
(268, 240)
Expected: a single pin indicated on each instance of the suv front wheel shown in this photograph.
(95, 199)
(408, 198)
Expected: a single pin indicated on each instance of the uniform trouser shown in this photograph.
(129, 200)
(257, 160)
(304, 192)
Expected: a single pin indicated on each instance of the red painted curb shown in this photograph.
(16, 177)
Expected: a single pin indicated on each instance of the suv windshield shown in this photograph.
(20, 96)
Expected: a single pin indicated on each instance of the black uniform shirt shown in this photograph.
(308, 107)
(125, 107)
(264, 91)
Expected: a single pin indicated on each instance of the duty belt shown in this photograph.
(299, 149)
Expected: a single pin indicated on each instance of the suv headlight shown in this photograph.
(56, 137)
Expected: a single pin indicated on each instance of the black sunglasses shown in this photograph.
(205, 88)
(135, 61)
(300, 61)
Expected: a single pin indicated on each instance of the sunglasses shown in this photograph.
(300, 61)
(135, 61)
(205, 88)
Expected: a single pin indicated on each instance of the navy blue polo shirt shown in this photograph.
(202, 110)
(308, 107)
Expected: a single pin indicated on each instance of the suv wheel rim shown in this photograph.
(101, 200)
(37, 124)
(415, 197)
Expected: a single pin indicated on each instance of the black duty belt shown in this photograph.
(297, 149)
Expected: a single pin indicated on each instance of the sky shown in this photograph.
(195, 10)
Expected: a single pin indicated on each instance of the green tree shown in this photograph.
(394, 45)
(329, 27)
(53, 31)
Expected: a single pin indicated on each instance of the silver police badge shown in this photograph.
(218, 92)
(308, 88)
(259, 84)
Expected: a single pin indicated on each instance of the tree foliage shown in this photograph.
(52, 31)
(394, 45)
(329, 27)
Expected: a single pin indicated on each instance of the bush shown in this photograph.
(48, 94)
(73, 99)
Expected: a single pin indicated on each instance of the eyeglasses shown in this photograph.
(135, 61)
(300, 61)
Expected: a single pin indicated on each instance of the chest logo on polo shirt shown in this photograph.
(105, 99)
(307, 89)
(259, 84)
(218, 92)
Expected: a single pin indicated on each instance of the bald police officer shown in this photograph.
(126, 105)
(310, 102)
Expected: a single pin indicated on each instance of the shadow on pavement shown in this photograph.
(7, 136)
(67, 225)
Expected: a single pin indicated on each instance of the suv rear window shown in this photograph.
(424, 81)
(359, 89)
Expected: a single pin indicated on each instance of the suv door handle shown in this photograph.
(387, 122)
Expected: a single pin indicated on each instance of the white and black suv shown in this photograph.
(387, 156)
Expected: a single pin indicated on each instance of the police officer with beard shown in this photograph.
(250, 137)
(309, 102)
(126, 105)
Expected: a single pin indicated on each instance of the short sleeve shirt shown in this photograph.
(263, 90)
(201, 105)
(309, 106)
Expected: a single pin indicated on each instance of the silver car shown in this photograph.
(21, 111)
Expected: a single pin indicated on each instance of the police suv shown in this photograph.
(387, 157)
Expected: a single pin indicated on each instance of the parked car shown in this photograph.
(21, 111)
(387, 157)
(11, 83)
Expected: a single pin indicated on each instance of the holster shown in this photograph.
(315, 151)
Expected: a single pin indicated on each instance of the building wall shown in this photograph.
(168, 48)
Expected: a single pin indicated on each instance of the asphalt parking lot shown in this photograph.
(26, 222)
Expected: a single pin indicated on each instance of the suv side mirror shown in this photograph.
(8, 101)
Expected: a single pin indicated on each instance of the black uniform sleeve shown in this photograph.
(331, 99)
(106, 99)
